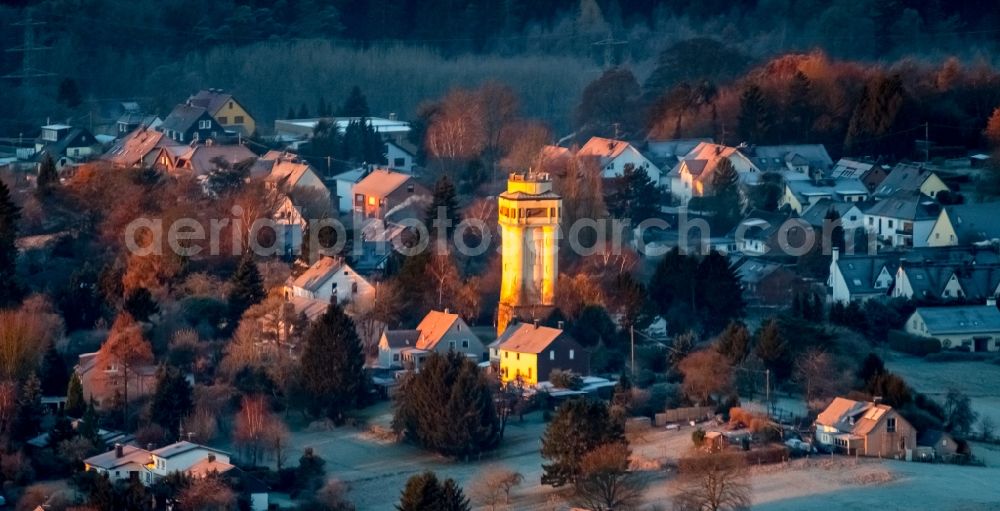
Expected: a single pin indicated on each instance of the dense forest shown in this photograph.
(287, 53)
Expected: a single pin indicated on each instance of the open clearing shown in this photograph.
(376, 472)
(978, 380)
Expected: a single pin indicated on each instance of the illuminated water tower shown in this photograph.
(529, 213)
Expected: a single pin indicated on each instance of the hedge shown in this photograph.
(912, 344)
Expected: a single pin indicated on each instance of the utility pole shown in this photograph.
(631, 330)
(927, 142)
(28, 50)
(767, 389)
(609, 45)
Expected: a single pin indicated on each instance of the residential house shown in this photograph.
(667, 153)
(291, 225)
(330, 279)
(902, 219)
(286, 172)
(188, 123)
(123, 463)
(966, 224)
(130, 121)
(861, 277)
(801, 195)
(871, 174)
(529, 352)
(344, 184)
(100, 383)
(692, 176)
(383, 191)
(202, 159)
(231, 115)
(136, 149)
(851, 217)
(911, 178)
(66, 144)
(126, 462)
(947, 281)
(967, 327)
(864, 428)
(614, 155)
(794, 162)
(770, 233)
(768, 283)
(942, 445)
(401, 156)
(439, 332)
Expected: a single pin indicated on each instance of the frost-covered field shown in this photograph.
(979, 380)
(376, 472)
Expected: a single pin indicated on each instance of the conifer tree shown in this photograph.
(48, 176)
(333, 364)
(772, 349)
(734, 342)
(726, 200)
(172, 400)
(425, 492)
(719, 292)
(90, 427)
(75, 402)
(579, 426)
(248, 288)
(635, 196)
(53, 372)
(28, 417)
(10, 290)
(61, 430)
(755, 116)
(356, 105)
(444, 206)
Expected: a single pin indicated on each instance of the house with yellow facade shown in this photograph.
(529, 352)
(226, 110)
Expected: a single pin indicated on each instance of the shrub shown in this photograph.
(698, 437)
(920, 346)
(565, 379)
(766, 455)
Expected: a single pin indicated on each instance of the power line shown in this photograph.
(28, 50)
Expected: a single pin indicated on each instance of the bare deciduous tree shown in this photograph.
(706, 373)
(207, 494)
(492, 488)
(123, 351)
(816, 371)
(713, 482)
(605, 482)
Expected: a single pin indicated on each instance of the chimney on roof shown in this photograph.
(392, 116)
(718, 150)
(119, 450)
(535, 322)
(560, 325)
(211, 457)
(877, 399)
(447, 310)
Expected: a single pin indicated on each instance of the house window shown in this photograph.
(571, 353)
(871, 221)
(354, 287)
(238, 119)
(465, 343)
(205, 124)
(517, 356)
(395, 357)
(890, 425)
(409, 188)
(529, 373)
(399, 162)
(890, 224)
(223, 120)
(230, 105)
(506, 354)
(552, 354)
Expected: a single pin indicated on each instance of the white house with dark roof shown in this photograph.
(969, 327)
(902, 219)
(851, 216)
(613, 155)
(860, 277)
(125, 462)
(439, 331)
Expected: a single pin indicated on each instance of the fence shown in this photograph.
(686, 414)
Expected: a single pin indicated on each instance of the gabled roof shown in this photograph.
(964, 319)
(182, 117)
(705, 157)
(182, 447)
(834, 188)
(848, 168)
(753, 271)
(775, 157)
(211, 100)
(905, 176)
(132, 148)
(975, 222)
(109, 460)
(433, 327)
(381, 182)
(905, 205)
(199, 158)
(932, 437)
(854, 417)
(861, 271)
(816, 214)
(308, 307)
(527, 338)
(287, 167)
(320, 272)
(606, 149)
(401, 338)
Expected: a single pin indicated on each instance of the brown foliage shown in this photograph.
(207, 494)
(706, 373)
(492, 488)
(605, 482)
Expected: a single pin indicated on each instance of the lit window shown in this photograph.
(371, 201)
